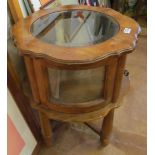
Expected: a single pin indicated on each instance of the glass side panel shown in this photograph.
(74, 28)
(76, 86)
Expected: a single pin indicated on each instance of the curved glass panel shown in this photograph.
(74, 28)
(76, 86)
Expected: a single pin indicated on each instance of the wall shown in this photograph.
(36, 4)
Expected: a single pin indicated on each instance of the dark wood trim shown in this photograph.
(13, 73)
(92, 128)
(37, 148)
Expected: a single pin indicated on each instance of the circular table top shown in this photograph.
(74, 28)
(75, 34)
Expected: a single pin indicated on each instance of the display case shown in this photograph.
(75, 58)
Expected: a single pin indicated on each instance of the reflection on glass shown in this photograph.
(76, 86)
(74, 28)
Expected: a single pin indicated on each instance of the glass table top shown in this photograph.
(74, 28)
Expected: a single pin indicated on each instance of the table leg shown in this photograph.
(106, 128)
(46, 129)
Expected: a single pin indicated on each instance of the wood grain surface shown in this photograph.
(120, 43)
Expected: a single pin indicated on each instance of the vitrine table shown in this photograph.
(75, 58)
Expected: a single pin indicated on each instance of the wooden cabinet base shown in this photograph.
(104, 133)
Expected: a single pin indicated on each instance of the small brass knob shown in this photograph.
(126, 72)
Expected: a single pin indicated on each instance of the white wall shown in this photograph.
(36, 4)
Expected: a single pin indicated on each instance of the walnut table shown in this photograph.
(75, 58)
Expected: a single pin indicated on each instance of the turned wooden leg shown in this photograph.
(46, 129)
(106, 128)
